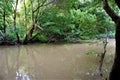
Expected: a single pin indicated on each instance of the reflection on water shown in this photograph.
(52, 62)
(22, 76)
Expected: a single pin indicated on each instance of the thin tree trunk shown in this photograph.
(15, 29)
(25, 14)
(29, 34)
(105, 42)
(4, 24)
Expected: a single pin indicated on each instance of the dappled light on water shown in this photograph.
(53, 61)
(21, 75)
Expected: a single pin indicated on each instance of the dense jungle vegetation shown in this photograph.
(47, 21)
(23, 21)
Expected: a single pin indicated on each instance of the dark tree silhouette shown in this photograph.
(115, 72)
(118, 3)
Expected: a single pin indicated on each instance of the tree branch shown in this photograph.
(109, 11)
(43, 4)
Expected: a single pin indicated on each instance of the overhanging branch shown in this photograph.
(109, 11)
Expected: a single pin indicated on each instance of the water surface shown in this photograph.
(53, 61)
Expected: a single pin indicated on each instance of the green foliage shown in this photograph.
(111, 34)
(11, 34)
(1, 35)
(42, 38)
(65, 4)
(85, 23)
(65, 20)
(55, 24)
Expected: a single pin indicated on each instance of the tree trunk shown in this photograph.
(15, 29)
(25, 24)
(29, 34)
(115, 72)
(4, 23)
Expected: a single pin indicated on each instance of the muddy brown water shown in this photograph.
(54, 61)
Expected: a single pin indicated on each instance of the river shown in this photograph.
(64, 61)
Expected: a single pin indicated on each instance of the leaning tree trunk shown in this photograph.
(115, 72)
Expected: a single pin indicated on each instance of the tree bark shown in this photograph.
(115, 72)
(29, 35)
